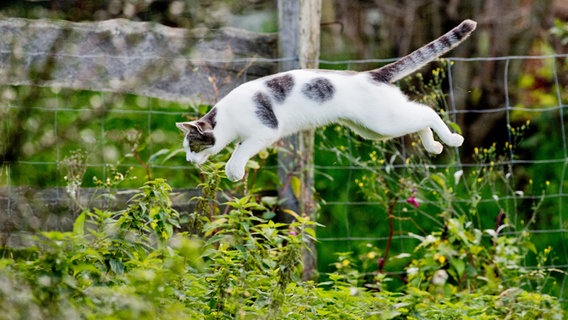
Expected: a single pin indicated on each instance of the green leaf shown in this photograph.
(268, 215)
(116, 266)
(158, 154)
(79, 224)
(530, 246)
(296, 185)
(439, 180)
(173, 154)
(459, 266)
(251, 164)
(85, 267)
(455, 126)
(311, 232)
(263, 154)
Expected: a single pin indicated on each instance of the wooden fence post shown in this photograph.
(299, 38)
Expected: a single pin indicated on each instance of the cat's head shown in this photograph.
(198, 137)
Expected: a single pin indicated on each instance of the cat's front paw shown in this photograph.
(234, 173)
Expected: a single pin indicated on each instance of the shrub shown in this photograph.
(132, 264)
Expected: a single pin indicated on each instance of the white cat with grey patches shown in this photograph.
(260, 112)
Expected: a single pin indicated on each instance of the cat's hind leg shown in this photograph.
(437, 124)
(442, 130)
(412, 117)
(425, 120)
(427, 138)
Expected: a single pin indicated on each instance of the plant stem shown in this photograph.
(382, 262)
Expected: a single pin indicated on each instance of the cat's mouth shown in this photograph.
(197, 158)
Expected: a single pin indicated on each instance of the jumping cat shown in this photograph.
(260, 112)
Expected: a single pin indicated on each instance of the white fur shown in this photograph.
(362, 101)
(373, 110)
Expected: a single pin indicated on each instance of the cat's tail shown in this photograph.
(410, 63)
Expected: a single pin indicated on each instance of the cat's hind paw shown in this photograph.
(456, 140)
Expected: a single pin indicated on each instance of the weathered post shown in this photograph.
(299, 38)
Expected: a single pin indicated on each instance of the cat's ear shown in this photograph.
(203, 126)
(185, 126)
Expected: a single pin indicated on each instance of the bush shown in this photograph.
(136, 263)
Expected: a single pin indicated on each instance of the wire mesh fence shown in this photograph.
(135, 136)
(358, 222)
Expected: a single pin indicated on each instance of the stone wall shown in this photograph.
(142, 58)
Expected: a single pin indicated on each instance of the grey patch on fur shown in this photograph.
(384, 75)
(264, 110)
(319, 89)
(280, 87)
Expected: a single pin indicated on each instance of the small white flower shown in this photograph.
(519, 193)
(403, 256)
(412, 271)
(492, 233)
(440, 277)
(430, 239)
(457, 175)
(353, 291)
(44, 281)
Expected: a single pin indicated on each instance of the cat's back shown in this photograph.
(308, 97)
(337, 87)
(303, 87)
(302, 98)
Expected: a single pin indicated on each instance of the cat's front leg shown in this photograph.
(235, 168)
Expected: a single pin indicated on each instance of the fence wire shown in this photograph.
(353, 208)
